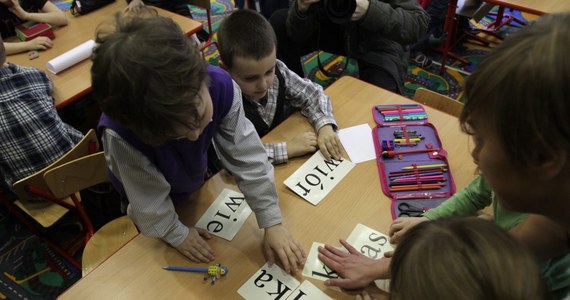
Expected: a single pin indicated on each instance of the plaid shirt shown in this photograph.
(300, 93)
(33, 135)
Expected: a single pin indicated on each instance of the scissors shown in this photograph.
(407, 210)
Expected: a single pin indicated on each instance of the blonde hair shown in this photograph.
(521, 90)
(463, 258)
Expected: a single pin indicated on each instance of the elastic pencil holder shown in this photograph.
(411, 161)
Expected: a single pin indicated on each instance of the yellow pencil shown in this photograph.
(425, 166)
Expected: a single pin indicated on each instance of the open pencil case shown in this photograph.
(411, 161)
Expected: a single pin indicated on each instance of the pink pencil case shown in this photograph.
(412, 163)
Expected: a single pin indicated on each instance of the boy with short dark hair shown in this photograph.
(33, 135)
(162, 108)
(271, 92)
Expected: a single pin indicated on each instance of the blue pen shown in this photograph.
(213, 272)
(185, 269)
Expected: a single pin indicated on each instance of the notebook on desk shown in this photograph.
(30, 30)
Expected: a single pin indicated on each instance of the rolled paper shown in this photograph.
(71, 57)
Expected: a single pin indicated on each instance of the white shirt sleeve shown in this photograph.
(243, 154)
(150, 206)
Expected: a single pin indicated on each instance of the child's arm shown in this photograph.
(242, 153)
(303, 143)
(544, 237)
(316, 106)
(474, 197)
(50, 14)
(39, 43)
(150, 206)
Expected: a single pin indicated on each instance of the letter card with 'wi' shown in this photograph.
(317, 177)
(226, 215)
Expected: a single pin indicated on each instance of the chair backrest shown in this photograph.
(438, 101)
(77, 175)
(89, 144)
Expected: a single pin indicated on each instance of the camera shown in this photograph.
(338, 11)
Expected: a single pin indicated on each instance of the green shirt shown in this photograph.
(478, 195)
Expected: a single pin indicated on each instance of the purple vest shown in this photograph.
(182, 162)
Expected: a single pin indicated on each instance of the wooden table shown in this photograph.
(75, 82)
(135, 271)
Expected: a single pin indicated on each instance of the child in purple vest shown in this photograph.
(162, 108)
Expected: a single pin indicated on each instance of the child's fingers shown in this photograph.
(204, 233)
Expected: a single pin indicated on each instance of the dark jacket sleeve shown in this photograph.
(301, 27)
(402, 21)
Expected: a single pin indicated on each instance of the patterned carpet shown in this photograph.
(449, 83)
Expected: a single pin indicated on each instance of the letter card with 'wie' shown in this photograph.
(226, 215)
(317, 177)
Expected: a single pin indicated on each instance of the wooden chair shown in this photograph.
(80, 174)
(438, 101)
(36, 201)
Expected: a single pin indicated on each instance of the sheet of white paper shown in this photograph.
(71, 57)
(315, 268)
(308, 291)
(226, 215)
(269, 282)
(358, 143)
(317, 177)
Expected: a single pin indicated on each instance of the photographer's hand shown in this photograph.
(303, 5)
(361, 8)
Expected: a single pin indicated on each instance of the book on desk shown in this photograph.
(30, 30)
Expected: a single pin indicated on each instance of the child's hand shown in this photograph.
(303, 143)
(364, 295)
(329, 143)
(195, 247)
(39, 43)
(16, 9)
(278, 242)
(356, 270)
(401, 225)
(134, 6)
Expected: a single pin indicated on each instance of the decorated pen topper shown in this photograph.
(213, 272)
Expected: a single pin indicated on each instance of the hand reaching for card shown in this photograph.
(195, 247)
(401, 225)
(356, 269)
(329, 143)
(278, 243)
